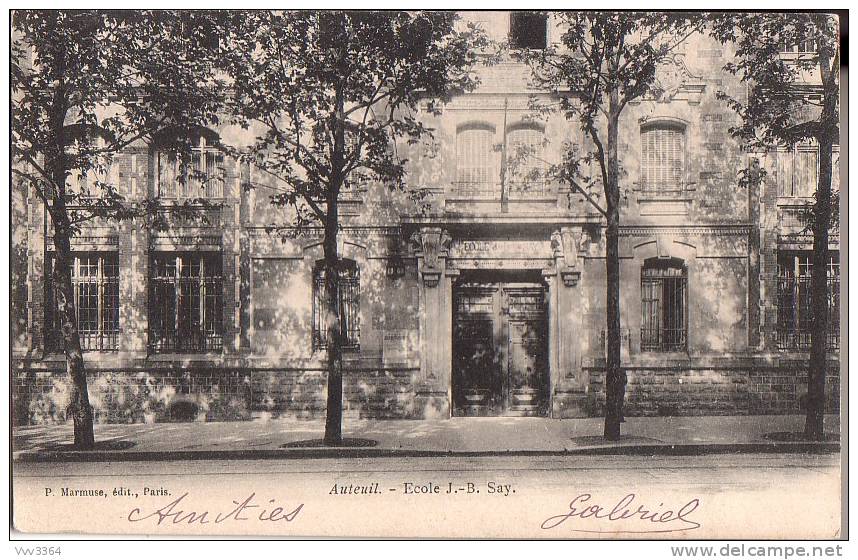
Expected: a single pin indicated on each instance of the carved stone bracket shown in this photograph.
(570, 277)
(565, 243)
(433, 245)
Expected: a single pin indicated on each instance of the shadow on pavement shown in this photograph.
(585, 441)
(347, 442)
(114, 445)
(799, 436)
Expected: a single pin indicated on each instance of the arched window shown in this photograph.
(94, 167)
(349, 305)
(201, 177)
(663, 158)
(525, 160)
(477, 162)
(664, 305)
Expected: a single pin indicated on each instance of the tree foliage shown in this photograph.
(791, 65)
(334, 91)
(85, 85)
(604, 61)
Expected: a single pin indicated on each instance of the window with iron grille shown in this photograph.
(201, 177)
(477, 162)
(528, 30)
(664, 305)
(186, 302)
(525, 163)
(95, 282)
(662, 159)
(795, 310)
(348, 305)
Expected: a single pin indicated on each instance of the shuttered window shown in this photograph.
(798, 171)
(93, 183)
(201, 177)
(662, 159)
(525, 162)
(477, 163)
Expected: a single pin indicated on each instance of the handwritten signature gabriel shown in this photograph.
(637, 517)
(241, 510)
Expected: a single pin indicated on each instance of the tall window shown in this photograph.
(525, 163)
(477, 163)
(664, 305)
(798, 171)
(795, 311)
(186, 302)
(95, 281)
(528, 30)
(201, 177)
(349, 305)
(662, 159)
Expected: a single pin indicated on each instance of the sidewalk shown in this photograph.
(291, 438)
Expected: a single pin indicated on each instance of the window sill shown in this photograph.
(795, 201)
(664, 206)
(183, 356)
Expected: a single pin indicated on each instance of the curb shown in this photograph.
(681, 449)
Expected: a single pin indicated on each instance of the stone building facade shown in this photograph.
(484, 295)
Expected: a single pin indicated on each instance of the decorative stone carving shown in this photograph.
(431, 244)
(674, 80)
(564, 243)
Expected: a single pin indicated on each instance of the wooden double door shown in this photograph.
(500, 350)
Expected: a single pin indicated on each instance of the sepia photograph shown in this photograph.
(428, 274)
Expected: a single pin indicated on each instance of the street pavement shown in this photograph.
(266, 437)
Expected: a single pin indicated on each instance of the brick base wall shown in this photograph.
(210, 395)
(135, 396)
(715, 391)
(224, 394)
(370, 393)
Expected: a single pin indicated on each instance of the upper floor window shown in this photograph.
(525, 160)
(798, 170)
(348, 305)
(528, 30)
(662, 158)
(186, 302)
(795, 310)
(803, 47)
(664, 305)
(477, 162)
(201, 177)
(100, 169)
(95, 283)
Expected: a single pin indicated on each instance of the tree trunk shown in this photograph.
(615, 383)
(333, 315)
(819, 297)
(79, 406)
(333, 325)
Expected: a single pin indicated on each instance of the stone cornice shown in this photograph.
(685, 230)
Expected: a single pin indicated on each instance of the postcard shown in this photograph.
(427, 274)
